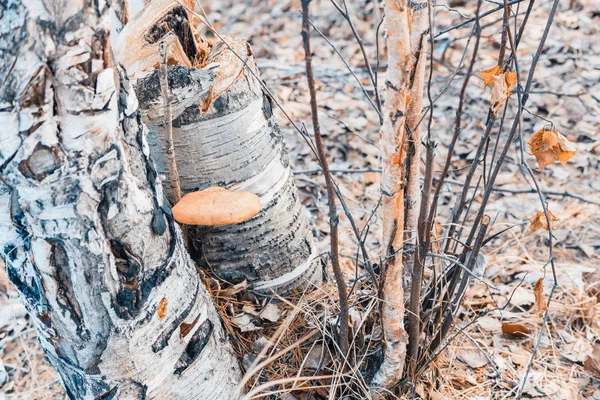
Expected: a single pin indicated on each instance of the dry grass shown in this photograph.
(480, 361)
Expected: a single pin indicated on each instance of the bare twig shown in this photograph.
(522, 101)
(423, 233)
(528, 191)
(485, 14)
(376, 105)
(457, 122)
(346, 14)
(168, 124)
(333, 217)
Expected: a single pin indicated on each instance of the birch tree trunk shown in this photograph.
(85, 234)
(225, 135)
(405, 23)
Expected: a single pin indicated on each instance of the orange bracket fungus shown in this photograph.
(216, 206)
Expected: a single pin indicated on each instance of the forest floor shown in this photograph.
(491, 355)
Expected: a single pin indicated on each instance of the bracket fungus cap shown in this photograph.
(216, 206)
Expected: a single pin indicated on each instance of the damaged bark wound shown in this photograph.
(138, 46)
(85, 235)
(225, 135)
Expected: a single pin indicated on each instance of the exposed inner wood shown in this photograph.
(160, 20)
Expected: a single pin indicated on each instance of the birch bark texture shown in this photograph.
(87, 238)
(225, 135)
(406, 27)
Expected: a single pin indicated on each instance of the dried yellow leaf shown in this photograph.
(488, 74)
(549, 146)
(539, 221)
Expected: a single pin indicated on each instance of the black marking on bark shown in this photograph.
(46, 319)
(160, 274)
(163, 339)
(8, 158)
(284, 156)
(42, 162)
(267, 106)
(105, 168)
(148, 315)
(31, 289)
(129, 268)
(159, 225)
(65, 294)
(77, 383)
(189, 116)
(109, 395)
(101, 51)
(9, 253)
(149, 90)
(195, 346)
(370, 368)
(151, 174)
(175, 21)
(236, 98)
(167, 211)
(109, 197)
(128, 301)
(32, 292)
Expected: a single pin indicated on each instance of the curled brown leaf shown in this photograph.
(489, 74)
(549, 146)
(539, 221)
(540, 299)
(501, 89)
(516, 329)
(501, 83)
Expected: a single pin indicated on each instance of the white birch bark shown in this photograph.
(86, 237)
(225, 135)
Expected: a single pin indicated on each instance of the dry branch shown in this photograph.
(333, 216)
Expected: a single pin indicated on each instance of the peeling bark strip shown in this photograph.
(225, 135)
(406, 24)
(85, 236)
